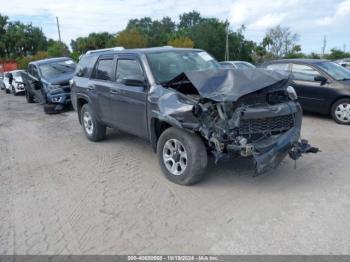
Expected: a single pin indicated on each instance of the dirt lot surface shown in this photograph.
(61, 194)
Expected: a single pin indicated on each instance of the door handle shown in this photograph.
(114, 92)
(91, 87)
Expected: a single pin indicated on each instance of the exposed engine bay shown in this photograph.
(250, 113)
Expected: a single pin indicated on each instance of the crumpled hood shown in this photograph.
(231, 84)
(60, 79)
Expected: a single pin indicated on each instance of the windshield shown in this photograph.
(167, 65)
(336, 71)
(55, 69)
(16, 74)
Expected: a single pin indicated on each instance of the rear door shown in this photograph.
(313, 95)
(129, 101)
(100, 86)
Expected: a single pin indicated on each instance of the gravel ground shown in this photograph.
(61, 194)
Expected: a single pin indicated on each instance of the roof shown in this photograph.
(298, 60)
(49, 60)
(235, 61)
(145, 50)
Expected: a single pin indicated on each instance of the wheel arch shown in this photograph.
(335, 101)
(80, 102)
(157, 127)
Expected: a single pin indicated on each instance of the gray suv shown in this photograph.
(187, 106)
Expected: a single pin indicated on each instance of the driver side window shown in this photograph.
(33, 71)
(128, 68)
(304, 72)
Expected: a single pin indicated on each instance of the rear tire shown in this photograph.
(341, 111)
(182, 156)
(29, 97)
(7, 91)
(94, 130)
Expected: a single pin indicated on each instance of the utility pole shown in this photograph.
(324, 45)
(227, 50)
(58, 29)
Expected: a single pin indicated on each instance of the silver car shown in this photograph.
(237, 65)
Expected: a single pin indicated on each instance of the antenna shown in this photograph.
(58, 29)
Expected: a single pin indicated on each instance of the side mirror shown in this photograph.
(134, 80)
(321, 79)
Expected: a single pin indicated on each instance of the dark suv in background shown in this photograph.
(186, 105)
(322, 86)
(47, 82)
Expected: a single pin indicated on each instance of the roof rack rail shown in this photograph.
(117, 48)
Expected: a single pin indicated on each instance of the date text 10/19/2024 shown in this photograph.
(173, 258)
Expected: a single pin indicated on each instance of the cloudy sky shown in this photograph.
(311, 19)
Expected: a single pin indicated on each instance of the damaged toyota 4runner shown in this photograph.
(187, 106)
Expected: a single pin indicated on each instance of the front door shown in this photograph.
(129, 100)
(313, 95)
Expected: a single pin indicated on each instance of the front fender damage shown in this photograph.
(242, 117)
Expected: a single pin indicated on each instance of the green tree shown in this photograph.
(57, 49)
(22, 62)
(281, 41)
(337, 54)
(92, 41)
(188, 21)
(3, 23)
(210, 35)
(156, 33)
(130, 39)
(181, 42)
(19, 39)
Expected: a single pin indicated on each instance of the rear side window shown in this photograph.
(104, 70)
(304, 72)
(278, 67)
(128, 68)
(83, 67)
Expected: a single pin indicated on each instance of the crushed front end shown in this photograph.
(251, 113)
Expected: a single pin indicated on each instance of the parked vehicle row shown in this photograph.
(47, 82)
(345, 62)
(236, 65)
(12, 82)
(188, 105)
(322, 86)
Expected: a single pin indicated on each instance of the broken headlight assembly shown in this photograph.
(291, 93)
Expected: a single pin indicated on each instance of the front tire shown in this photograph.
(182, 156)
(29, 97)
(341, 111)
(7, 91)
(94, 131)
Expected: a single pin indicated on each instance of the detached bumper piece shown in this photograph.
(303, 147)
(53, 108)
(270, 153)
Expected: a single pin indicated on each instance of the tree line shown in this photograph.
(25, 42)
